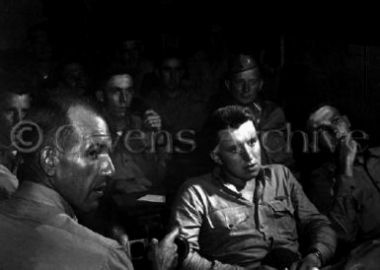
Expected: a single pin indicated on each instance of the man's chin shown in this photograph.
(90, 206)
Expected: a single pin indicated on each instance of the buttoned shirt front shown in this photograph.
(222, 226)
(38, 230)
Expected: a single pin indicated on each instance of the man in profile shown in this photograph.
(65, 175)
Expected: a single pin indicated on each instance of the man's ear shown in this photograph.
(227, 84)
(261, 85)
(49, 160)
(99, 95)
(215, 157)
(345, 118)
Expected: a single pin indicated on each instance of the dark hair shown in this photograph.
(12, 84)
(51, 117)
(170, 54)
(231, 116)
(110, 71)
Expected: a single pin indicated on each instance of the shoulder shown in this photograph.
(278, 173)
(272, 114)
(271, 106)
(198, 182)
(8, 181)
(70, 226)
(83, 241)
(61, 241)
(374, 151)
(197, 187)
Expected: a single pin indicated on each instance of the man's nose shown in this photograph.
(123, 96)
(106, 167)
(245, 87)
(247, 153)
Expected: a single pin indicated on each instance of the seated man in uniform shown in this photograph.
(133, 128)
(347, 185)
(63, 174)
(245, 215)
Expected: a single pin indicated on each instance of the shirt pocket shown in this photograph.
(230, 218)
(284, 221)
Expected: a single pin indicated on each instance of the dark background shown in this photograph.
(314, 52)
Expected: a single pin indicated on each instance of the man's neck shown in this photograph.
(241, 185)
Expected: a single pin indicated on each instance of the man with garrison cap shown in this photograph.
(244, 84)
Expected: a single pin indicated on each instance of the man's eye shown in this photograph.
(253, 82)
(233, 149)
(252, 142)
(238, 82)
(93, 154)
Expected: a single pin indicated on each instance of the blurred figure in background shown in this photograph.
(15, 102)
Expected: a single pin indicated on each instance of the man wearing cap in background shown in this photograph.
(244, 84)
(347, 185)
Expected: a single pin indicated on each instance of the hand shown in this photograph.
(152, 120)
(164, 253)
(347, 152)
(310, 262)
(121, 237)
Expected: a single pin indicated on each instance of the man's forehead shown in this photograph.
(244, 132)
(323, 116)
(87, 123)
(247, 74)
(172, 62)
(120, 80)
(18, 101)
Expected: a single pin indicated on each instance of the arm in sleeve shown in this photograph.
(343, 214)
(117, 259)
(312, 223)
(188, 213)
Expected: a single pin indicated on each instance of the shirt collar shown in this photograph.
(35, 192)
(217, 174)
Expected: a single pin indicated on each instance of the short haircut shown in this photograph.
(14, 85)
(228, 117)
(51, 117)
(110, 72)
(314, 109)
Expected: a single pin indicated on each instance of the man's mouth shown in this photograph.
(99, 189)
(252, 167)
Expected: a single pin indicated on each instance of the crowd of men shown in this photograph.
(236, 194)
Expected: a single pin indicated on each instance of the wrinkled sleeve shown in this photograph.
(117, 259)
(189, 212)
(313, 224)
(343, 213)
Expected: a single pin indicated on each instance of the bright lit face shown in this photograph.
(239, 151)
(16, 108)
(245, 86)
(81, 171)
(118, 94)
(172, 73)
(331, 126)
